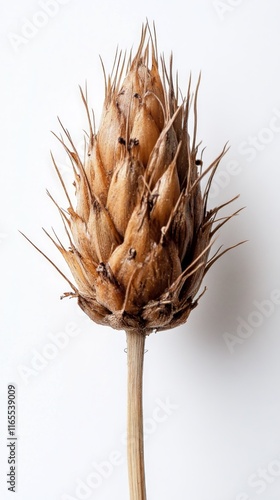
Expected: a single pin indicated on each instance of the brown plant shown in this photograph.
(141, 233)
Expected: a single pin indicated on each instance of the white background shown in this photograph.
(221, 438)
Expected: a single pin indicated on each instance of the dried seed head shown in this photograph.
(141, 233)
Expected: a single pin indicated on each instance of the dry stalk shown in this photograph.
(135, 441)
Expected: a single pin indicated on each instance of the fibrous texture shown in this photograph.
(140, 232)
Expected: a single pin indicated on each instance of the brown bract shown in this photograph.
(141, 233)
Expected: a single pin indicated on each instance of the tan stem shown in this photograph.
(135, 442)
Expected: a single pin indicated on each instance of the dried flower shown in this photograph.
(140, 234)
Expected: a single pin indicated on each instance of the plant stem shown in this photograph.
(135, 442)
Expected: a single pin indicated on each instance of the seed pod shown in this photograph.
(103, 234)
(166, 193)
(112, 127)
(161, 155)
(130, 96)
(108, 292)
(83, 279)
(80, 236)
(141, 232)
(155, 95)
(138, 240)
(181, 227)
(146, 132)
(127, 178)
(139, 86)
(149, 282)
(98, 181)
(82, 193)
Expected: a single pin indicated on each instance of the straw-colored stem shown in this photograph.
(135, 442)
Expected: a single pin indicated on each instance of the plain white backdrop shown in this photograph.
(214, 381)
